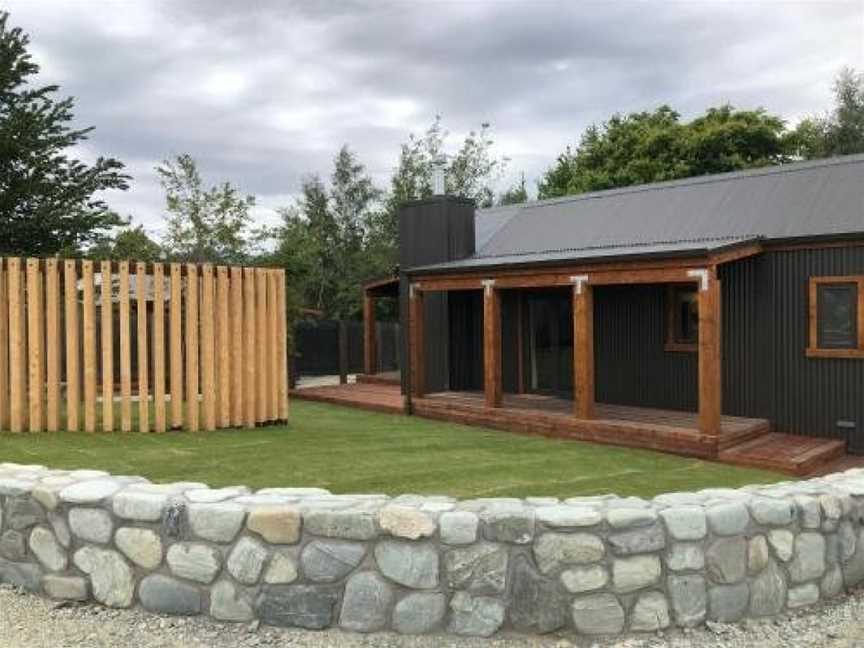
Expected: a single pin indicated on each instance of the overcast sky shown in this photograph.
(263, 93)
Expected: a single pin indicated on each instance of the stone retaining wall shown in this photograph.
(417, 564)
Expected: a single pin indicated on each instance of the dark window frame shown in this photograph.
(814, 350)
(674, 341)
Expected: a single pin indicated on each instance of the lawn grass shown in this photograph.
(352, 451)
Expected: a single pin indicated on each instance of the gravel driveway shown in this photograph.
(27, 620)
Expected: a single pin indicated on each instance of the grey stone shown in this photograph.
(831, 511)
(142, 546)
(757, 554)
(349, 525)
(728, 603)
(638, 541)
(768, 592)
(853, 568)
(13, 546)
(227, 603)
(406, 522)
(90, 492)
(303, 606)
(685, 522)
(846, 536)
(803, 595)
(216, 522)
(555, 550)
(419, 613)
(213, 495)
(139, 506)
(246, 560)
(12, 487)
(366, 603)
(479, 569)
(45, 547)
(48, 496)
(730, 518)
(192, 561)
(598, 614)
(165, 595)
(282, 569)
(479, 616)
(636, 572)
(514, 526)
(330, 560)
(22, 513)
(566, 516)
(172, 520)
(832, 582)
(458, 527)
(584, 579)
(409, 564)
(651, 613)
(110, 576)
(60, 528)
(276, 523)
(535, 603)
(24, 575)
(689, 599)
(65, 588)
(624, 518)
(782, 542)
(726, 560)
(809, 560)
(809, 511)
(772, 512)
(92, 525)
(685, 556)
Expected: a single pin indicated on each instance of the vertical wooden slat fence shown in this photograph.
(197, 346)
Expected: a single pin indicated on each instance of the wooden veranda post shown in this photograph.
(710, 373)
(583, 348)
(491, 343)
(370, 337)
(416, 342)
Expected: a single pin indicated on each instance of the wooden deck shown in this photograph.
(742, 441)
(381, 378)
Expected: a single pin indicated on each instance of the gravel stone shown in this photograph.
(803, 595)
(24, 575)
(92, 525)
(67, 588)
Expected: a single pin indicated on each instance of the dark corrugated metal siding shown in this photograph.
(466, 340)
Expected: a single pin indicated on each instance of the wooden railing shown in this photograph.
(197, 346)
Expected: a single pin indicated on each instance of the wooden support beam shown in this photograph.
(370, 336)
(492, 344)
(583, 349)
(710, 368)
(342, 345)
(416, 342)
(4, 352)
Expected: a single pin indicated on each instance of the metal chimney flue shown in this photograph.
(438, 166)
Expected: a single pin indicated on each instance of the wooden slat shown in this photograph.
(415, 332)
(250, 330)
(17, 346)
(125, 350)
(107, 335)
(159, 423)
(192, 360)
(263, 391)
(73, 366)
(52, 345)
(710, 368)
(176, 357)
(88, 318)
(223, 355)
(272, 347)
(492, 345)
(4, 349)
(141, 291)
(237, 353)
(36, 345)
(208, 349)
(370, 337)
(583, 351)
(282, 347)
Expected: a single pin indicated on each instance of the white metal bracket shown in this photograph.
(702, 275)
(412, 290)
(488, 286)
(579, 281)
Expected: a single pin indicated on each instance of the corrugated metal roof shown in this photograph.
(805, 199)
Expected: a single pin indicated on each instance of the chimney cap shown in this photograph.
(439, 163)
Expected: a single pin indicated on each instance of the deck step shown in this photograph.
(789, 453)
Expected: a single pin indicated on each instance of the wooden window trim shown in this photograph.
(670, 345)
(813, 350)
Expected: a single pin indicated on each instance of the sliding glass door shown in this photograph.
(550, 343)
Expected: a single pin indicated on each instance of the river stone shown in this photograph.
(651, 613)
(685, 556)
(631, 574)
(726, 560)
(165, 595)
(772, 512)
(689, 599)
(139, 506)
(45, 547)
(782, 542)
(13, 546)
(22, 513)
(142, 546)
(809, 560)
(685, 522)
(227, 603)
(90, 492)
(405, 522)
(24, 575)
(246, 560)
(831, 511)
(411, 565)
(479, 616)
(458, 527)
(65, 588)
(12, 487)
(803, 595)
(768, 592)
(555, 550)
(598, 614)
(91, 525)
(639, 541)
(419, 613)
(216, 522)
(111, 578)
(846, 538)
(349, 525)
(192, 561)
(515, 526)
(584, 579)
(729, 518)
(535, 603)
(277, 524)
(757, 554)
(281, 570)
(624, 518)
(832, 583)
(366, 603)
(808, 511)
(60, 528)
(330, 560)
(479, 569)
(213, 495)
(48, 496)
(303, 606)
(728, 603)
(853, 569)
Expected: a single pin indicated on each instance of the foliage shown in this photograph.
(840, 132)
(47, 197)
(516, 194)
(203, 225)
(128, 243)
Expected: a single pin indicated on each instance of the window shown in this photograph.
(836, 317)
(682, 318)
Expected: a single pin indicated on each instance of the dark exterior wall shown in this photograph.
(466, 340)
